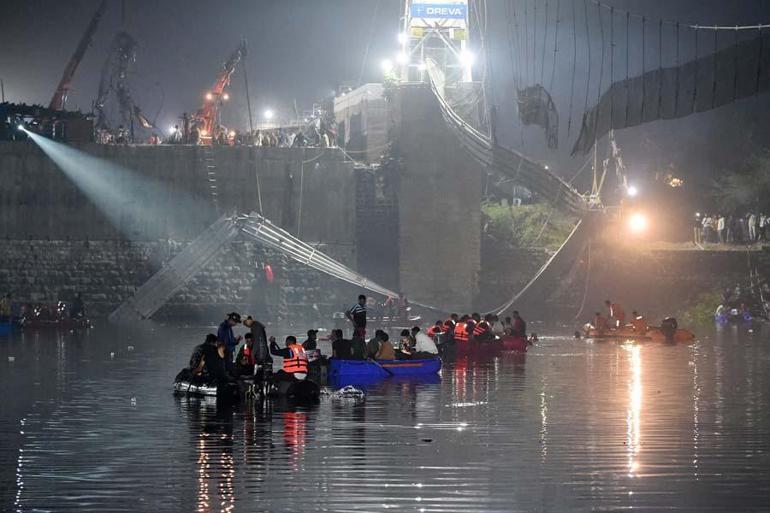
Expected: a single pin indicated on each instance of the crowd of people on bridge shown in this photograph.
(748, 228)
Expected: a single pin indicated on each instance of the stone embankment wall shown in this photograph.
(55, 241)
(108, 272)
(39, 201)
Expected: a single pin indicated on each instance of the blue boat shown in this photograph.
(382, 368)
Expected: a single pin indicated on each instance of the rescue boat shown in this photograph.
(654, 334)
(512, 343)
(382, 368)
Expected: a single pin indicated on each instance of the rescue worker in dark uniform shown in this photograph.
(260, 353)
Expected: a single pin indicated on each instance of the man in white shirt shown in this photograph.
(423, 344)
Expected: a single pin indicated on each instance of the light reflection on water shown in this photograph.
(571, 426)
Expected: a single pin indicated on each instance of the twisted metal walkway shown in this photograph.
(513, 164)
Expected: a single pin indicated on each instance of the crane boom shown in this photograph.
(59, 98)
(206, 116)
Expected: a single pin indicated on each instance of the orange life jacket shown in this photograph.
(433, 330)
(247, 354)
(461, 335)
(481, 328)
(298, 361)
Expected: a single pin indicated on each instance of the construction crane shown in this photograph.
(115, 78)
(59, 99)
(206, 118)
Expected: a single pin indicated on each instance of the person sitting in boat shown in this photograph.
(78, 308)
(639, 323)
(435, 330)
(482, 332)
(617, 315)
(373, 345)
(312, 340)
(340, 346)
(461, 334)
(386, 351)
(295, 364)
(471, 324)
(358, 348)
(244, 362)
(498, 328)
(424, 347)
(404, 352)
(600, 323)
(519, 326)
(207, 364)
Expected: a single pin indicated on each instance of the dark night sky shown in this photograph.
(298, 50)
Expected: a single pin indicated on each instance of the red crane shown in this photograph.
(59, 98)
(206, 117)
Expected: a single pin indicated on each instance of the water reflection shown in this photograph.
(573, 427)
(633, 416)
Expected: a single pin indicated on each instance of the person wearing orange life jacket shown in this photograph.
(482, 332)
(461, 335)
(295, 364)
(244, 362)
(436, 329)
(616, 314)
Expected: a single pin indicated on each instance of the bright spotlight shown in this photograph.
(132, 202)
(269, 114)
(402, 58)
(171, 129)
(387, 65)
(232, 133)
(20, 127)
(402, 38)
(637, 223)
(632, 191)
(467, 58)
(209, 96)
(225, 97)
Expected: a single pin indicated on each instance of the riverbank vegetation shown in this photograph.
(524, 226)
(701, 310)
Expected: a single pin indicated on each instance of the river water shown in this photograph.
(574, 426)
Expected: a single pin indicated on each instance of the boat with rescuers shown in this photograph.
(209, 374)
(668, 331)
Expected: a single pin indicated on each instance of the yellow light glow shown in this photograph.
(209, 96)
(637, 223)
